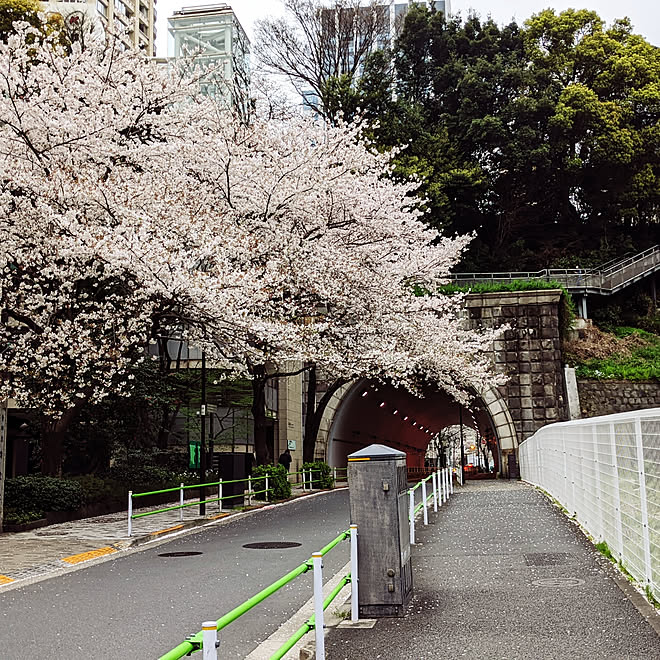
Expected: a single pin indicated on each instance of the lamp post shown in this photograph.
(202, 444)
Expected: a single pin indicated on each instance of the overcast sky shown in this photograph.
(645, 14)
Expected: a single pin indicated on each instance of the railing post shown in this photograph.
(446, 471)
(617, 493)
(130, 513)
(209, 640)
(451, 482)
(642, 497)
(250, 490)
(334, 474)
(411, 515)
(355, 610)
(181, 502)
(318, 605)
(266, 488)
(424, 509)
(435, 492)
(220, 495)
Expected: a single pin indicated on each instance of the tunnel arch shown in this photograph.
(355, 418)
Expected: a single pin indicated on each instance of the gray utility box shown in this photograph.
(378, 491)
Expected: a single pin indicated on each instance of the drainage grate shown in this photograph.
(271, 545)
(179, 554)
(546, 558)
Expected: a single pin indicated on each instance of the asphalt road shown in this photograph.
(141, 605)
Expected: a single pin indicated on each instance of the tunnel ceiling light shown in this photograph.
(365, 393)
(405, 419)
(414, 423)
(382, 404)
(394, 412)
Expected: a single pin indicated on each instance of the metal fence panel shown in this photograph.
(606, 472)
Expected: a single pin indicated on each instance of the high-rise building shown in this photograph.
(213, 37)
(134, 21)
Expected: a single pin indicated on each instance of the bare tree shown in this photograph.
(316, 43)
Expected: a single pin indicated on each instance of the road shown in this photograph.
(141, 605)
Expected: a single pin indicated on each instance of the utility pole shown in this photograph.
(202, 444)
(3, 454)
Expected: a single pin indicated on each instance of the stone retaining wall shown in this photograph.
(607, 397)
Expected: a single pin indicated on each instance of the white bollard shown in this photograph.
(266, 488)
(435, 492)
(130, 513)
(181, 502)
(411, 515)
(355, 610)
(250, 491)
(318, 605)
(220, 495)
(424, 509)
(209, 640)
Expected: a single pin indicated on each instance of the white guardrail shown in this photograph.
(606, 472)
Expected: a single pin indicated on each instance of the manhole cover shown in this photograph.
(179, 554)
(558, 582)
(271, 545)
(546, 558)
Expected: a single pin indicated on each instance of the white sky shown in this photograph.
(645, 14)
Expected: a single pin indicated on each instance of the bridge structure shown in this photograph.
(536, 393)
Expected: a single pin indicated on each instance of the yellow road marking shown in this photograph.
(86, 556)
(220, 515)
(5, 580)
(169, 529)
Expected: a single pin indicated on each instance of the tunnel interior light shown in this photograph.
(395, 412)
(414, 423)
(405, 419)
(365, 393)
(382, 404)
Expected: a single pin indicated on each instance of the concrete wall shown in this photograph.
(607, 397)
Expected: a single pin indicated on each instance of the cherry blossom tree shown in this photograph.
(130, 208)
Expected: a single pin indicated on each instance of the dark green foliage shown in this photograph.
(321, 474)
(25, 494)
(278, 482)
(13, 516)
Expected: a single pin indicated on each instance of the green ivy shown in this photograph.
(278, 481)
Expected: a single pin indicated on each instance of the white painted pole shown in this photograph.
(642, 497)
(435, 492)
(220, 495)
(445, 483)
(209, 640)
(355, 610)
(334, 474)
(451, 482)
(411, 515)
(250, 490)
(130, 513)
(266, 488)
(318, 605)
(424, 509)
(181, 502)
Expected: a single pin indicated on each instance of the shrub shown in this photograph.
(278, 481)
(321, 474)
(36, 493)
(14, 517)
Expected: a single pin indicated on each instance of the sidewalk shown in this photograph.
(30, 556)
(502, 573)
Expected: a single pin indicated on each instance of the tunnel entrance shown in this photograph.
(427, 429)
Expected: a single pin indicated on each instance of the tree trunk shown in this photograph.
(315, 413)
(53, 433)
(259, 414)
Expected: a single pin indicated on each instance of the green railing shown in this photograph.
(198, 640)
(307, 480)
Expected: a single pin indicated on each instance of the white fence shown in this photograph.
(606, 472)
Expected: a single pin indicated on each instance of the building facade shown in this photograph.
(213, 38)
(134, 21)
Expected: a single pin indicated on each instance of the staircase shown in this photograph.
(604, 280)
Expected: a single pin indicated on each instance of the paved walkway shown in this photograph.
(502, 573)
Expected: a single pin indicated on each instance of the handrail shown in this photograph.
(193, 643)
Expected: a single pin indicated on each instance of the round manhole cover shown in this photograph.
(179, 554)
(272, 545)
(558, 582)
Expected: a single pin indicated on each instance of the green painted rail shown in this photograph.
(194, 642)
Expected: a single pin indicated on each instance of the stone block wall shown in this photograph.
(529, 353)
(608, 397)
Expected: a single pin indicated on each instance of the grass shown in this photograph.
(496, 287)
(643, 362)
